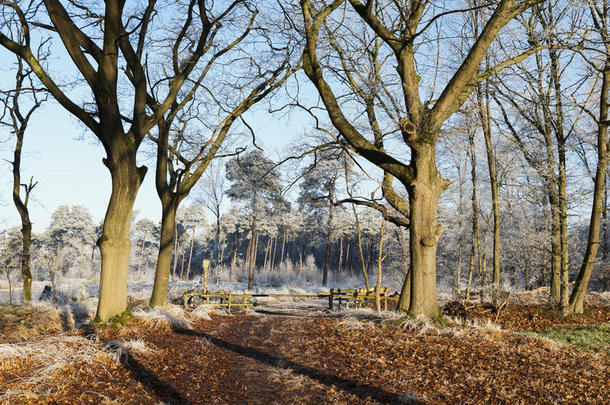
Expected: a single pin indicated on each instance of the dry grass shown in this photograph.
(176, 317)
(282, 374)
(366, 313)
(21, 322)
(202, 312)
(166, 318)
(45, 358)
(130, 348)
(419, 325)
(353, 324)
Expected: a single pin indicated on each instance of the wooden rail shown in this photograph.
(343, 296)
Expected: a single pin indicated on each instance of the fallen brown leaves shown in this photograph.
(315, 359)
(532, 317)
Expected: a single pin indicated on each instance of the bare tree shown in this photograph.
(107, 44)
(184, 152)
(19, 104)
(210, 194)
(598, 58)
(400, 25)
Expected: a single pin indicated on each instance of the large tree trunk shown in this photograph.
(114, 243)
(584, 275)
(175, 251)
(424, 230)
(164, 258)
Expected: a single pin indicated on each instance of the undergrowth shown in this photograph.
(594, 338)
(120, 320)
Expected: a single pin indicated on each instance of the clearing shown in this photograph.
(281, 354)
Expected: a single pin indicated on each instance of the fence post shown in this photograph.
(206, 267)
(245, 300)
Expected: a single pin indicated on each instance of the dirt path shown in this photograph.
(284, 359)
(280, 357)
(247, 359)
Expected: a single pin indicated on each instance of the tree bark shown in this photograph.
(405, 294)
(114, 243)
(340, 264)
(24, 214)
(252, 254)
(379, 262)
(359, 235)
(175, 251)
(142, 253)
(561, 179)
(424, 230)
(605, 208)
(222, 250)
(164, 257)
(329, 233)
(274, 253)
(182, 264)
(283, 244)
(267, 248)
(475, 239)
(218, 248)
(485, 116)
(588, 263)
(188, 268)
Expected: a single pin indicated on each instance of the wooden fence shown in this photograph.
(357, 296)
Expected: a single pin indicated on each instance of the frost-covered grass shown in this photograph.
(45, 357)
(282, 374)
(22, 322)
(419, 325)
(176, 317)
(167, 317)
(132, 347)
(366, 314)
(353, 324)
(55, 352)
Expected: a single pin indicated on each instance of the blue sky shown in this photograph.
(66, 160)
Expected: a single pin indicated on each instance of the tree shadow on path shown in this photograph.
(164, 391)
(364, 391)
